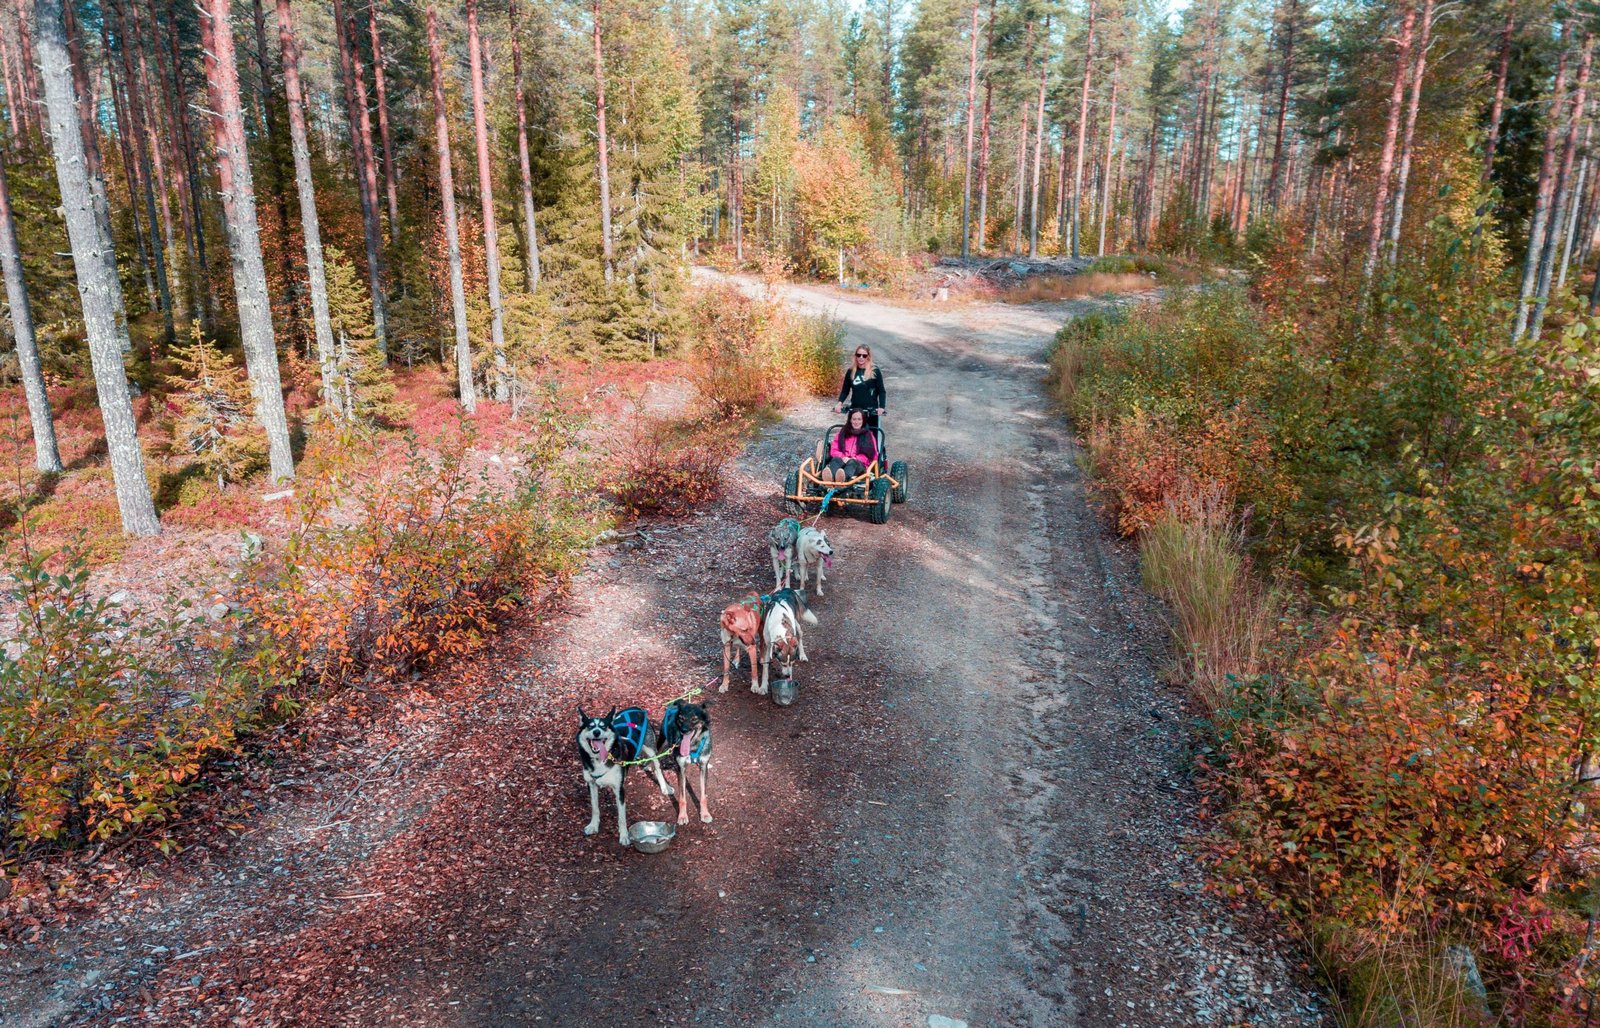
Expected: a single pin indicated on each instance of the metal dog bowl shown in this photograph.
(651, 836)
(784, 691)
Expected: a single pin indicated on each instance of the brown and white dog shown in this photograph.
(741, 623)
(782, 638)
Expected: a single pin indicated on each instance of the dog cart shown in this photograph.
(883, 483)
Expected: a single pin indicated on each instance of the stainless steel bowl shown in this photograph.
(784, 691)
(651, 836)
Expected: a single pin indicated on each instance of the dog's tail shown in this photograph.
(808, 617)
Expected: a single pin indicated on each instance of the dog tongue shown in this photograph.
(686, 742)
(600, 749)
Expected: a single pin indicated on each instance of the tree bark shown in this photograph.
(1083, 120)
(316, 273)
(983, 148)
(194, 224)
(1541, 204)
(151, 112)
(1497, 108)
(1038, 154)
(47, 458)
(447, 196)
(1419, 68)
(1574, 209)
(14, 99)
(1391, 131)
(30, 69)
(94, 261)
(1563, 190)
(1105, 178)
(1285, 80)
(529, 218)
(972, 102)
(244, 236)
(390, 177)
(141, 154)
(605, 174)
(130, 167)
(491, 235)
(366, 182)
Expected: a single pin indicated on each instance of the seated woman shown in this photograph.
(853, 449)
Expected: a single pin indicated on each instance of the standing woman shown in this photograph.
(863, 387)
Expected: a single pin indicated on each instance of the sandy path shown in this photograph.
(974, 810)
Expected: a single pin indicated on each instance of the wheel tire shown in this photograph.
(879, 494)
(791, 487)
(901, 474)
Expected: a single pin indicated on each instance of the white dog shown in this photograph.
(812, 548)
(781, 635)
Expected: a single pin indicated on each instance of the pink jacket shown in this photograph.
(863, 447)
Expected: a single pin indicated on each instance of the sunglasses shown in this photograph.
(862, 356)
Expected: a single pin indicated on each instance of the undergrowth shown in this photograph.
(1403, 734)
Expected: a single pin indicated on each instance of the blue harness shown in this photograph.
(632, 729)
(701, 747)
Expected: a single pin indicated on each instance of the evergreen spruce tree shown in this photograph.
(360, 373)
(211, 405)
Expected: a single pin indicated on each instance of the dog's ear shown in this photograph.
(581, 715)
(611, 716)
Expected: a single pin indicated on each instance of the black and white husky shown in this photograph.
(781, 545)
(813, 548)
(605, 745)
(782, 639)
(686, 733)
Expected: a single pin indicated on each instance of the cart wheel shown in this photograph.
(791, 487)
(901, 474)
(879, 494)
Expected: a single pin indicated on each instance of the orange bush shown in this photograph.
(666, 467)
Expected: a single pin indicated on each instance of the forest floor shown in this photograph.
(977, 808)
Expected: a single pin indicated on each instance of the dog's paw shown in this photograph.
(705, 817)
(591, 828)
(683, 818)
(623, 840)
(667, 790)
(724, 687)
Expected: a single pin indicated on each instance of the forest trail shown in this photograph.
(976, 808)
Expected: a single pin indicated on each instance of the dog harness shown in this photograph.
(632, 729)
(702, 746)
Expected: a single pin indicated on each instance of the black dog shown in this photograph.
(686, 730)
(605, 746)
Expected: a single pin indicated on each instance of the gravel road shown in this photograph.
(976, 810)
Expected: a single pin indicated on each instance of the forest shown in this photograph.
(274, 249)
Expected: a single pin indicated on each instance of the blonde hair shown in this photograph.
(871, 365)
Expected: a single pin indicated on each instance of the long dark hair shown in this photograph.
(850, 428)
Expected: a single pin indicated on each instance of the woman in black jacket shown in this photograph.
(863, 387)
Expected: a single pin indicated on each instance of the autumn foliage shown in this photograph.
(1409, 759)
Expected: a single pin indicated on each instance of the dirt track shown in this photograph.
(975, 809)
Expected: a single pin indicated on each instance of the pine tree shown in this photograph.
(210, 404)
(365, 383)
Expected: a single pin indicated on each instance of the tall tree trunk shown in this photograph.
(316, 273)
(1391, 131)
(447, 197)
(244, 236)
(47, 458)
(605, 173)
(1105, 178)
(150, 96)
(88, 122)
(390, 177)
(1563, 189)
(366, 183)
(1285, 81)
(1038, 153)
(1022, 179)
(972, 103)
(491, 235)
(529, 220)
(94, 261)
(1574, 210)
(141, 155)
(30, 69)
(1497, 108)
(193, 223)
(14, 99)
(280, 202)
(1419, 68)
(1541, 203)
(983, 147)
(1083, 121)
(130, 168)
